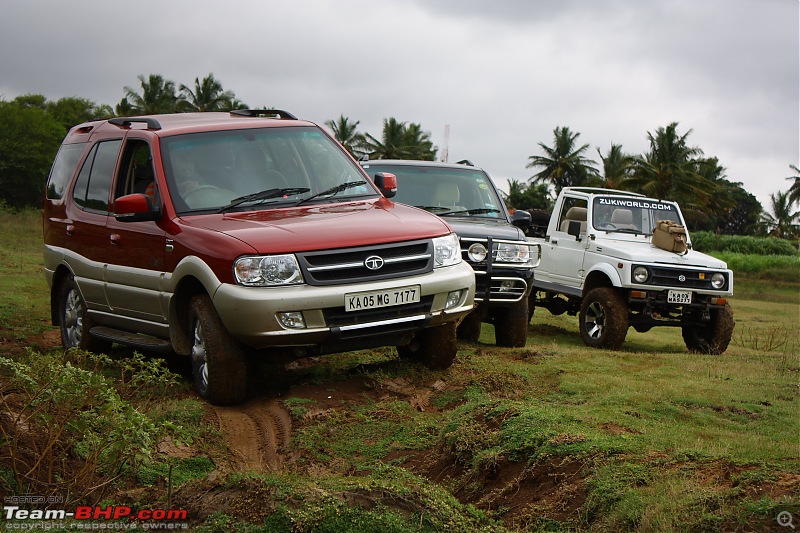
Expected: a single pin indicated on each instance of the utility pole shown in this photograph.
(446, 147)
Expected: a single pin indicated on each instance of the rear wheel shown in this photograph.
(219, 362)
(470, 328)
(713, 337)
(603, 318)
(511, 325)
(434, 347)
(74, 322)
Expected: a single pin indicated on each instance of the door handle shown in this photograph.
(553, 241)
(115, 238)
(70, 229)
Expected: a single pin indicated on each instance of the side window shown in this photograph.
(94, 181)
(572, 209)
(63, 167)
(136, 173)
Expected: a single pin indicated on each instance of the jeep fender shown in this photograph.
(601, 275)
(191, 277)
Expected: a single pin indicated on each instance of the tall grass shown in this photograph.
(706, 242)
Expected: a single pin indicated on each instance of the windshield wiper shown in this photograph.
(332, 191)
(478, 211)
(432, 208)
(262, 195)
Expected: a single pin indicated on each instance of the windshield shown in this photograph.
(250, 169)
(444, 191)
(632, 215)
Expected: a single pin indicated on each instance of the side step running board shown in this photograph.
(144, 342)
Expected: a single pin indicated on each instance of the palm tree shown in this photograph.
(794, 190)
(669, 169)
(206, 96)
(617, 167)
(563, 165)
(418, 143)
(346, 133)
(392, 143)
(158, 96)
(781, 218)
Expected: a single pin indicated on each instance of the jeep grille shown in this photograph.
(348, 265)
(680, 278)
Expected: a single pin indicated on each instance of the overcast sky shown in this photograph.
(501, 73)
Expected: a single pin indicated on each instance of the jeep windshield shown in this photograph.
(444, 191)
(634, 215)
(250, 169)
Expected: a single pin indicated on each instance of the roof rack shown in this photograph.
(264, 113)
(125, 122)
(465, 162)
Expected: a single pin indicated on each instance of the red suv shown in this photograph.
(224, 235)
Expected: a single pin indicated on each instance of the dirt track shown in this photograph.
(256, 432)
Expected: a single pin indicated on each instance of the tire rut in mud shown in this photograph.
(256, 432)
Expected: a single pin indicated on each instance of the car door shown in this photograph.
(135, 259)
(563, 256)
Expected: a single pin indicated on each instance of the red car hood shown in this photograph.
(320, 227)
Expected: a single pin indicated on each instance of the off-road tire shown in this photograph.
(470, 328)
(540, 219)
(713, 337)
(603, 318)
(511, 325)
(219, 362)
(434, 347)
(74, 322)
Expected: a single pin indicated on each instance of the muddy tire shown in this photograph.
(713, 337)
(470, 328)
(74, 322)
(603, 319)
(511, 325)
(219, 362)
(434, 347)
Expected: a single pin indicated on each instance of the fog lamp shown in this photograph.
(292, 320)
(477, 252)
(453, 298)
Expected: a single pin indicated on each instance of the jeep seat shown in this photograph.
(447, 195)
(574, 213)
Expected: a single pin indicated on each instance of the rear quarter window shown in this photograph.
(63, 167)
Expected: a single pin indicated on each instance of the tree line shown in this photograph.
(33, 128)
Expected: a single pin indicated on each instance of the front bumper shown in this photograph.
(250, 313)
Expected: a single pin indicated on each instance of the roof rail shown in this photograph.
(264, 113)
(125, 122)
(465, 162)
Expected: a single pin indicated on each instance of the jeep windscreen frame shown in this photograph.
(434, 189)
(634, 215)
(208, 171)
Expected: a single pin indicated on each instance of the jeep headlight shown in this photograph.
(718, 280)
(446, 251)
(640, 274)
(513, 253)
(268, 270)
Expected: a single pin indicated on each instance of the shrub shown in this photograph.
(706, 242)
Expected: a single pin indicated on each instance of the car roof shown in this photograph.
(418, 163)
(177, 123)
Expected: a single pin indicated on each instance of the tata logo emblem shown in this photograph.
(681, 278)
(373, 262)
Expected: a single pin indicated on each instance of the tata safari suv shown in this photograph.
(492, 241)
(224, 236)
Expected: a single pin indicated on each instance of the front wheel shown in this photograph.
(470, 328)
(603, 318)
(713, 337)
(434, 347)
(511, 325)
(219, 362)
(74, 322)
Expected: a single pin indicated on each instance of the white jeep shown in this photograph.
(599, 260)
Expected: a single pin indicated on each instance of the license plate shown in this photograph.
(357, 301)
(679, 297)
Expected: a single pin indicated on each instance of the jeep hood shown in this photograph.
(644, 252)
(327, 226)
(477, 227)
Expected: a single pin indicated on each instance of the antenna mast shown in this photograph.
(446, 148)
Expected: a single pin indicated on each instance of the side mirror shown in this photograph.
(135, 208)
(386, 183)
(521, 219)
(574, 229)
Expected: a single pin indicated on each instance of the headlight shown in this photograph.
(513, 253)
(446, 251)
(266, 270)
(640, 274)
(718, 280)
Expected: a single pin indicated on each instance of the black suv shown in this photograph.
(492, 241)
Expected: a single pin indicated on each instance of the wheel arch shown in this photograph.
(603, 275)
(61, 273)
(187, 288)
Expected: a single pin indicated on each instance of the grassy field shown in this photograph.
(551, 437)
